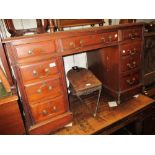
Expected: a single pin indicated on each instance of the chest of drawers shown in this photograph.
(41, 83)
(119, 66)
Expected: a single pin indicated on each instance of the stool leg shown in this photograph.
(97, 104)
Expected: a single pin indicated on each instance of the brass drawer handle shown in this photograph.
(81, 42)
(30, 52)
(35, 73)
(50, 88)
(129, 65)
(135, 50)
(44, 112)
(132, 36)
(132, 52)
(131, 82)
(39, 91)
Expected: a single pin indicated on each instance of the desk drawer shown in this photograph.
(40, 70)
(130, 49)
(132, 34)
(79, 42)
(35, 49)
(44, 89)
(130, 80)
(48, 109)
(130, 62)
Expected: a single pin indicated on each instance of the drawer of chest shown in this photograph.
(39, 70)
(48, 109)
(130, 62)
(130, 80)
(132, 34)
(79, 42)
(35, 49)
(130, 49)
(44, 89)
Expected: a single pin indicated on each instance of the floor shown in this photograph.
(84, 122)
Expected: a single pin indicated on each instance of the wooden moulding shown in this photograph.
(50, 125)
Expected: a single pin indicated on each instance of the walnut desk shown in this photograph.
(114, 55)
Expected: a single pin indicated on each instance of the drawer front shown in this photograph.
(48, 109)
(35, 49)
(79, 42)
(132, 34)
(130, 80)
(39, 70)
(130, 49)
(130, 62)
(43, 90)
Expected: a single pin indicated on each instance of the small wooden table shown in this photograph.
(108, 119)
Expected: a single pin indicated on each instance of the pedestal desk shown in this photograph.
(114, 55)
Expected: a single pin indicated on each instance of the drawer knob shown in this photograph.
(110, 38)
(71, 44)
(103, 39)
(46, 70)
(81, 42)
(135, 50)
(116, 35)
(133, 79)
(50, 88)
(39, 91)
(134, 63)
(30, 52)
(35, 73)
(55, 108)
(129, 65)
(44, 112)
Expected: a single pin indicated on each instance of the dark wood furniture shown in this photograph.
(62, 23)
(125, 21)
(42, 27)
(109, 120)
(149, 63)
(84, 82)
(119, 66)
(38, 67)
(11, 122)
(4, 81)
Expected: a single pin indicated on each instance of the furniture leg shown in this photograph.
(97, 104)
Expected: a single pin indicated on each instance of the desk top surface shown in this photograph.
(85, 124)
(73, 32)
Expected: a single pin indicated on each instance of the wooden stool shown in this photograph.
(83, 82)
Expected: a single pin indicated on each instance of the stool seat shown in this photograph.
(83, 82)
